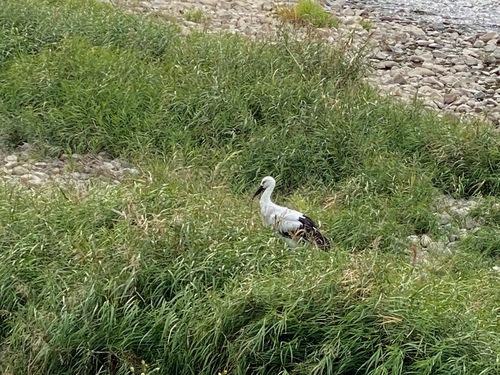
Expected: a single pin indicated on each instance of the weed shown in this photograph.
(307, 12)
(194, 15)
(366, 24)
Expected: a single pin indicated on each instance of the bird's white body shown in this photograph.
(292, 225)
(281, 219)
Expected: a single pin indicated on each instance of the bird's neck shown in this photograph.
(265, 198)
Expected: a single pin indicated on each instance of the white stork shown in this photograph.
(294, 226)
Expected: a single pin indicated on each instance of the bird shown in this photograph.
(293, 225)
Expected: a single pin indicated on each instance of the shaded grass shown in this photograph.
(294, 110)
(485, 239)
(173, 272)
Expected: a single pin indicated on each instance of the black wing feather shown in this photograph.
(309, 231)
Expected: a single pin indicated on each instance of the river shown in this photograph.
(480, 15)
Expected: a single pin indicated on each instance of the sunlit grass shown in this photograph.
(113, 276)
(172, 269)
(194, 15)
(307, 12)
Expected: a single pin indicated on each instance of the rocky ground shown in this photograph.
(451, 70)
(23, 167)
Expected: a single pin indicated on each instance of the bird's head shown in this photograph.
(266, 182)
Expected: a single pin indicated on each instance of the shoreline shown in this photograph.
(451, 69)
(420, 12)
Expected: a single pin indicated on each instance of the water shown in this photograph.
(480, 15)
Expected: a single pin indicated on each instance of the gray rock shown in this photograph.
(445, 218)
(211, 3)
(31, 180)
(431, 92)
(41, 175)
(490, 47)
(439, 54)
(386, 64)
(470, 223)
(268, 6)
(432, 81)
(399, 79)
(469, 60)
(131, 171)
(489, 36)
(10, 164)
(416, 59)
(20, 170)
(449, 80)
(425, 240)
(419, 72)
(413, 31)
(479, 95)
(463, 108)
(108, 166)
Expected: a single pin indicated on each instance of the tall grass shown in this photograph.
(299, 109)
(171, 272)
(172, 269)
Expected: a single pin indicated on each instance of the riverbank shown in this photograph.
(451, 69)
(129, 241)
(479, 15)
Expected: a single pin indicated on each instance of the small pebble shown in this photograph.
(425, 240)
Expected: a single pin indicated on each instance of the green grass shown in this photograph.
(186, 280)
(172, 269)
(307, 12)
(194, 15)
(366, 24)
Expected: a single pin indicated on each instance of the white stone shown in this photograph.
(10, 164)
(35, 181)
(469, 60)
(31, 179)
(10, 158)
(449, 80)
(463, 108)
(433, 81)
(423, 43)
(108, 165)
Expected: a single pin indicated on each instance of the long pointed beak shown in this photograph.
(259, 190)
